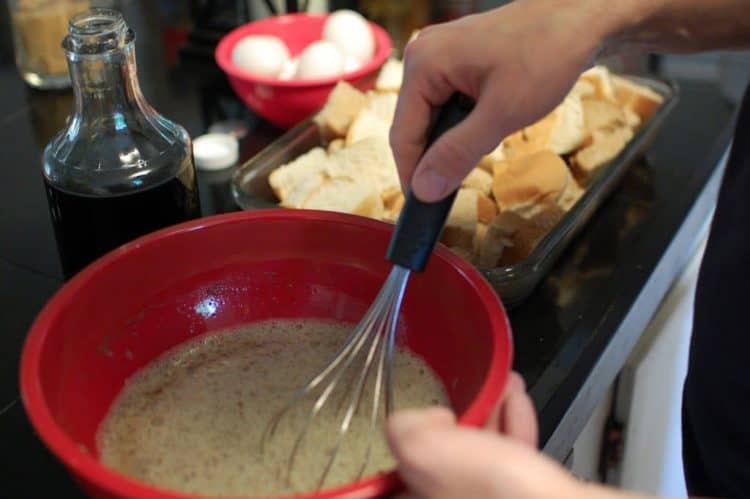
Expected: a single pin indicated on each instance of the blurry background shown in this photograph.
(194, 26)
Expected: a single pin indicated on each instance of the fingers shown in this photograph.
(424, 444)
(446, 162)
(440, 460)
(406, 422)
(515, 415)
(417, 100)
(431, 76)
(403, 430)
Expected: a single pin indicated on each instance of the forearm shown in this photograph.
(677, 26)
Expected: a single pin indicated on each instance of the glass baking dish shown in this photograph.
(515, 282)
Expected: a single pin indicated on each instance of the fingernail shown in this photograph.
(429, 185)
(403, 423)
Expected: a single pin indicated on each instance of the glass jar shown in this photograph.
(38, 27)
(118, 169)
(399, 18)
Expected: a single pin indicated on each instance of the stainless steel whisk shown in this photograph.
(372, 340)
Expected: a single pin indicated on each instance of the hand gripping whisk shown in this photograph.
(370, 345)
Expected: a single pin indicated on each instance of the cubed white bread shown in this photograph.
(570, 195)
(302, 190)
(335, 145)
(382, 105)
(583, 89)
(631, 118)
(391, 214)
(522, 183)
(479, 234)
(462, 220)
(511, 238)
(342, 106)
(638, 98)
(393, 202)
(391, 195)
(486, 208)
(390, 76)
(494, 242)
(601, 79)
(562, 131)
(516, 145)
(497, 154)
(285, 179)
(480, 180)
(600, 113)
(367, 124)
(371, 159)
(605, 146)
(346, 195)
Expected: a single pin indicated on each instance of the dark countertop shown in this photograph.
(572, 335)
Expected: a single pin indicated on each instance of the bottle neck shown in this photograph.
(106, 88)
(101, 56)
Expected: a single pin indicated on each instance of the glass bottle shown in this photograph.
(399, 18)
(119, 169)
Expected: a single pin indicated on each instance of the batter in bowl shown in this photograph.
(192, 420)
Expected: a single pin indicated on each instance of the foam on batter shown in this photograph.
(192, 420)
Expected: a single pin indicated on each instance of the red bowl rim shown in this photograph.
(223, 55)
(88, 468)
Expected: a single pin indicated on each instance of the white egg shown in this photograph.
(289, 69)
(263, 55)
(351, 64)
(320, 59)
(351, 33)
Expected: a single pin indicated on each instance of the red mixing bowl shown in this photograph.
(133, 304)
(286, 103)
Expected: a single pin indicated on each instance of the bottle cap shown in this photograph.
(215, 151)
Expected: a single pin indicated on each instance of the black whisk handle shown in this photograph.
(420, 224)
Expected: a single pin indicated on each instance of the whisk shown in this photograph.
(372, 341)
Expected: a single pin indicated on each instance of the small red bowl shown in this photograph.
(286, 103)
(211, 274)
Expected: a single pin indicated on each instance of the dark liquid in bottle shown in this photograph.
(87, 227)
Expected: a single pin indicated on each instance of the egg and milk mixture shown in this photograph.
(192, 420)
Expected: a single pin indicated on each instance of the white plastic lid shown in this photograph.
(236, 128)
(215, 151)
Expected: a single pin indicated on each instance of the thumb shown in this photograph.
(439, 460)
(447, 161)
(435, 458)
(514, 414)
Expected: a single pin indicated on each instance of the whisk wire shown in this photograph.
(347, 355)
(377, 330)
(375, 408)
(378, 327)
(387, 303)
(391, 332)
(384, 361)
(355, 401)
(316, 380)
(417, 231)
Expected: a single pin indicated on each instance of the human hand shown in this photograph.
(517, 62)
(439, 460)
